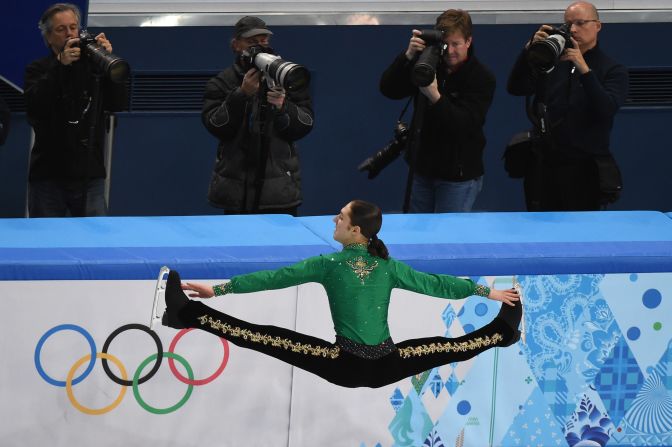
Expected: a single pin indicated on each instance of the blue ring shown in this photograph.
(49, 333)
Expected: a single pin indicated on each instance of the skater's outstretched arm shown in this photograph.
(447, 286)
(308, 270)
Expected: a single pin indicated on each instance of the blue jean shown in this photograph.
(441, 196)
(62, 198)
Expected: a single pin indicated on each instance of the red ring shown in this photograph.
(196, 382)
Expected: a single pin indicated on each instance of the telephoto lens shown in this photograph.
(112, 66)
(289, 75)
(542, 55)
(424, 70)
(381, 159)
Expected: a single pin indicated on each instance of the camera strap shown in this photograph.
(261, 138)
(403, 112)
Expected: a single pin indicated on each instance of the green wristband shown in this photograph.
(482, 291)
(223, 289)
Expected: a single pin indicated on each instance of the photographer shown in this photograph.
(446, 139)
(257, 165)
(67, 170)
(575, 100)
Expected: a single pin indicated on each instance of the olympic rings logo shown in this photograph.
(124, 381)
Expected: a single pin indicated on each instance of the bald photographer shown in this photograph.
(575, 91)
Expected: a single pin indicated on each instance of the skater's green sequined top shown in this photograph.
(358, 286)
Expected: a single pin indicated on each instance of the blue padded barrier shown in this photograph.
(222, 246)
(525, 243)
(136, 247)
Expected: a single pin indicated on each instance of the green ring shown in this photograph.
(136, 378)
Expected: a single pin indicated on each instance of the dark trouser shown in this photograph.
(563, 184)
(63, 198)
(331, 362)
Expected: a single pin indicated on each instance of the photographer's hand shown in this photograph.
(276, 97)
(575, 56)
(102, 41)
(71, 53)
(250, 85)
(541, 34)
(431, 91)
(416, 45)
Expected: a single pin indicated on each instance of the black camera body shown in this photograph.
(379, 161)
(542, 55)
(277, 71)
(113, 67)
(86, 38)
(424, 70)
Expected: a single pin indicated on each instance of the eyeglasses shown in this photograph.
(579, 23)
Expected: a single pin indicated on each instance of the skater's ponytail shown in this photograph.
(369, 218)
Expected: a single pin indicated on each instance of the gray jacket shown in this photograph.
(228, 114)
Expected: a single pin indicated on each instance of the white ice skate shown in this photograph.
(519, 289)
(159, 306)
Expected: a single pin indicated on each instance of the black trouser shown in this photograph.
(337, 366)
(563, 184)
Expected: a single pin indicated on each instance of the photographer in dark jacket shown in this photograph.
(448, 165)
(249, 139)
(581, 95)
(66, 176)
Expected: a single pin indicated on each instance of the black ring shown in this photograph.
(157, 364)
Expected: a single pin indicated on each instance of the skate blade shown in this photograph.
(159, 306)
(519, 289)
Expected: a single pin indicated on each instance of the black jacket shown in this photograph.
(58, 108)
(452, 139)
(228, 115)
(580, 108)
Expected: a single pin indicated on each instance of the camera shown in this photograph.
(379, 161)
(424, 70)
(289, 75)
(113, 67)
(542, 55)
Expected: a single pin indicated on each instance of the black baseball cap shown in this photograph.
(250, 26)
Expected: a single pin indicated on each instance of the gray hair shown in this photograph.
(45, 24)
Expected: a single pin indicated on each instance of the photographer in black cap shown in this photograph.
(257, 165)
(66, 106)
(577, 91)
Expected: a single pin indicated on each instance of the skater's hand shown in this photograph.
(508, 296)
(201, 290)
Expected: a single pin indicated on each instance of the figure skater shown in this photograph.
(358, 281)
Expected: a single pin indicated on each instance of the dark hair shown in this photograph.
(369, 218)
(45, 24)
(454, 20)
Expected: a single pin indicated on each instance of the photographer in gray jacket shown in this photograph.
(257, 163)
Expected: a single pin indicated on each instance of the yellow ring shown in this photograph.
(71, 374)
